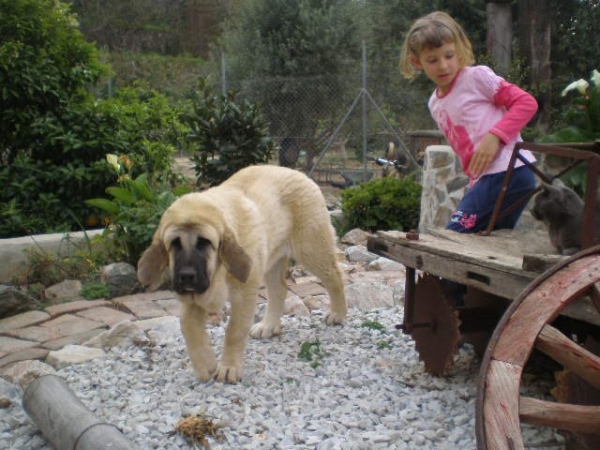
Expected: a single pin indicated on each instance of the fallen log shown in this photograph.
(65, 421)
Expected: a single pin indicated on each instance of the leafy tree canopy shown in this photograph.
(282, 38)
(46, 67)
(45, 62)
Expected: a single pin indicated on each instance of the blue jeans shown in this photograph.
(474, 212)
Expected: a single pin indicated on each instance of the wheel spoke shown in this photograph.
(571, 355)
(576, 418)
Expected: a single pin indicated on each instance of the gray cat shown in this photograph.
(561, 209)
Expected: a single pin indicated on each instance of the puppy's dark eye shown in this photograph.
(176, 244)
(202, 243)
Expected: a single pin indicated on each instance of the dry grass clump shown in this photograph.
(197, 429)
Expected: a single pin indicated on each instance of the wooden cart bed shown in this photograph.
(502, 264)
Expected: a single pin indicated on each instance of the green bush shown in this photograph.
(384, 204)
(227, 136)
(45, 64)
(45, 69)
(41, 196)
(54, 133)
(151, 126)
(47, 185)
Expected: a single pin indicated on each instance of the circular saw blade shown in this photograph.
(437, 343)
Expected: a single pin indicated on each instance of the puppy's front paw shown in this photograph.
(229, 374)
(333, 318)
(206, 371)
(264, 330)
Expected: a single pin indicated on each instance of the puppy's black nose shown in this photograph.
(187, 277)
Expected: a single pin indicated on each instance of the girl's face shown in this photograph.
(441, 65)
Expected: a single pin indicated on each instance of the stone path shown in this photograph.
(33, 335)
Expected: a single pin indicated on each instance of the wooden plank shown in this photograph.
(490, 272)
(583, 309)
(478, 250)
(540, 263)
(508, 242)
(571, 355)
(501, 407)
(492, 264)
(576, 418)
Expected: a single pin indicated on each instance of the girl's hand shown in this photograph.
(484, 154)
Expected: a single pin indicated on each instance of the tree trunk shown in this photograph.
(534, 25)
(499, 35)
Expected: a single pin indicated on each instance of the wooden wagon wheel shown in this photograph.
(525, 325)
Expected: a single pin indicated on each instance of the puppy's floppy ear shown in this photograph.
(152, 264)
(235, 258)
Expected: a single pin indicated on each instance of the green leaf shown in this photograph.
(104, 204)
(141, 187)
(122, 194)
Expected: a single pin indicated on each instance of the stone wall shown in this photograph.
(14, 258)
(444, 184)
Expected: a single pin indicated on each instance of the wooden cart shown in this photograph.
(503, 293)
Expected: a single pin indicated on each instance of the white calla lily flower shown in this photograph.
(595, 77)
(581, 85)
(113, 160)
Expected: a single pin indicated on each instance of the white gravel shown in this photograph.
(368, 391)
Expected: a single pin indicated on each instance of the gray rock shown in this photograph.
(359, 253)
(336, 216)
(332, 201)
(73, 354)
(314, 302)
(438, 156)
(123, 334)
(23, 373)
(13, 302)
(355, 237)
(296, 307)
(65, 291)
(120, 278)
(459, 183)
(385, 264)
(366, 296)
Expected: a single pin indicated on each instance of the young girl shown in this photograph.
(480, 114)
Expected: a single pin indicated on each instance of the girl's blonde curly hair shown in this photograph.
(433, 31)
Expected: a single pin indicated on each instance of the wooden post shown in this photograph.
(65, 421)
(500, 34)
(534, 36)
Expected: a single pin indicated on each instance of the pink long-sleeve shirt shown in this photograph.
(478, 102)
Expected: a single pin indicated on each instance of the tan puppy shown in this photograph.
(226, 242)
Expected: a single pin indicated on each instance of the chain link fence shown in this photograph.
(334, 127)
